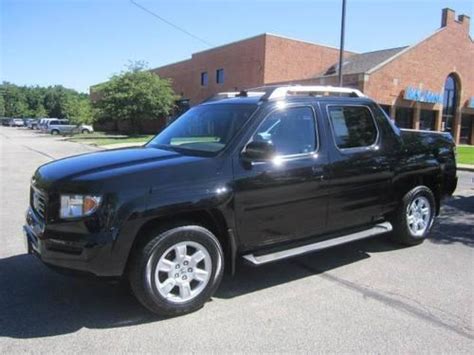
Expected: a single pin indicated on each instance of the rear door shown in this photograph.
(52, 124)
(66, 127)
(360, 171)
(283, 199)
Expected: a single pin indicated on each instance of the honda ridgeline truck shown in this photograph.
(257, 176)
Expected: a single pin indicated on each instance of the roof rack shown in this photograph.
(278, 92)
(232, 94)
(284, 91)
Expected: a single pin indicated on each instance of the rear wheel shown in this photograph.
(414, 218)
(177, 270)
(54, 132)
(85, 131)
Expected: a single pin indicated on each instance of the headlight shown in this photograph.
(73, 206)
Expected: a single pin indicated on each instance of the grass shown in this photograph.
(100, 138)
(465, 155)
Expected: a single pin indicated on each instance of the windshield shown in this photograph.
(205, 128)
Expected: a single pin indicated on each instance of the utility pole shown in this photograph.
(341, 47)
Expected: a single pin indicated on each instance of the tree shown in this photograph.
(2, 106)
(53, 101)
(15, 101)
(134, 95)
(78, 109)
(35, 100)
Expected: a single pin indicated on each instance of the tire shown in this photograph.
(84, 131)
(414, 217)
(158, 273)
(54, 132)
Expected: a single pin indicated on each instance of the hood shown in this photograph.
(93, 163)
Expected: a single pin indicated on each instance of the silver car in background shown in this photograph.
(17, 122)
(32, 123)
(43, 123)
(63, 126)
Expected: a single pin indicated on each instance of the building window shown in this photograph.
(204, 78)
(450, 101)
(404, 117)
(427, 120)
(467, 126)
(220, 76)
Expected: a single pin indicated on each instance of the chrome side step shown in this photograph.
(283, 254)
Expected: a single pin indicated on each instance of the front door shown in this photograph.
(284, 198)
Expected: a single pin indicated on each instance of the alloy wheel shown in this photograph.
(183, 271)
(418, 215)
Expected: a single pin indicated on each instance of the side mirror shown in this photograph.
(259, 150)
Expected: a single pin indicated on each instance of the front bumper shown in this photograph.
(91, 253)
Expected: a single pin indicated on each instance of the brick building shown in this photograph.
(428, 85)
(248, 63)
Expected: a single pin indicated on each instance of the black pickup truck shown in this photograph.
(256, 176)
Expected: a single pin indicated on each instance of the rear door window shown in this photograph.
(353, 126)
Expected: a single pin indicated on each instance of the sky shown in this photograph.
(79, 43)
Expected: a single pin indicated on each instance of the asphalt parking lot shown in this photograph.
(369, 296)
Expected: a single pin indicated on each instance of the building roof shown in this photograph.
(290, 39)
(364, 62)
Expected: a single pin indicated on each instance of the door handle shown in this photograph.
(318, 173)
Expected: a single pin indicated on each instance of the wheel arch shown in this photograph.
(431, 180)
(211, 219)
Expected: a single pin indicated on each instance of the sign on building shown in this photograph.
(470, 103)
(419, 95)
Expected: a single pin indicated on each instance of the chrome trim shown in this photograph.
(282, 92)
(39, 201)
(267, 258)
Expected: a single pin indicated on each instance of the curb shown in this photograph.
(465, 167)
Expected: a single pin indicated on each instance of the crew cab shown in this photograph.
(256, 176)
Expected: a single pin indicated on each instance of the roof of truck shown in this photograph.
(285, 93)
(257, 100)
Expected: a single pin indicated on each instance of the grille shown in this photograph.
(39, 201)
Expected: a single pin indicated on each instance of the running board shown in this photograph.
(283, 254)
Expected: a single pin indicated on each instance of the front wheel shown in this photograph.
(414, 218)
(177, 270)
(85, 131)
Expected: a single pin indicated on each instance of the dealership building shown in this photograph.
(428, 85)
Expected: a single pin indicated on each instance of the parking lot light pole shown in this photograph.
(341, 48)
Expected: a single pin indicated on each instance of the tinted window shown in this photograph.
(205, 128)
(220, 76)
(204, 79)
(352, 126)
(291, 131)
